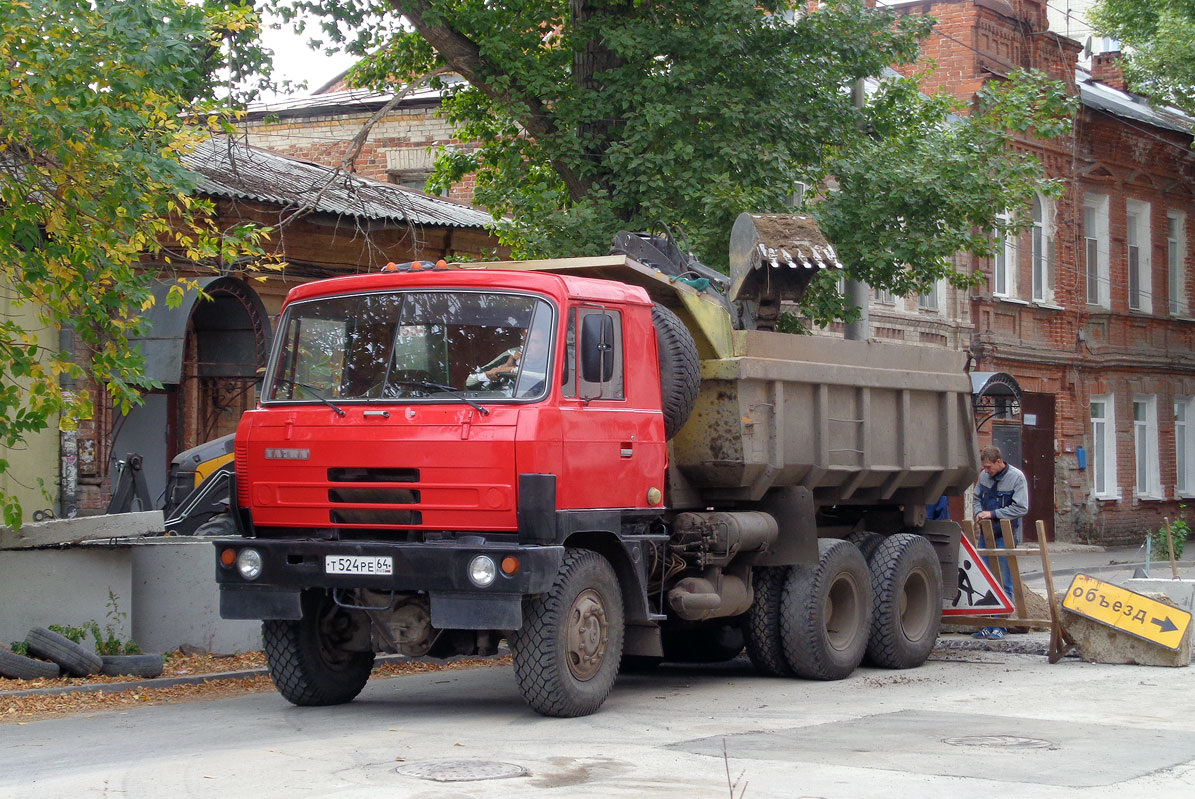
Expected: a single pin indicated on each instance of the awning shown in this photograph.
(994, 394)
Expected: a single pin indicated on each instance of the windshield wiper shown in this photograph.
(448, 390)
(315, 392)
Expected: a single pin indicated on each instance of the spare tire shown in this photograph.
(680, 368)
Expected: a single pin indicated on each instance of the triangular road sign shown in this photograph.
(979, 593)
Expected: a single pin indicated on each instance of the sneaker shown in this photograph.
(995, 633)
(981, 633)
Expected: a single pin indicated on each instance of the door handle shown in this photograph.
(626, 449)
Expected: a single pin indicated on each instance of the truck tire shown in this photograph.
(712, 642)
(567, 653)
(19, 667)
(75, 660)
(906, 580)
(680, 369)
(221, 525)
(867, 542)
(761, 623)
(825, 612)
(306, 663)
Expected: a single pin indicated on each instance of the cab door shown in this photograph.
(613, 452)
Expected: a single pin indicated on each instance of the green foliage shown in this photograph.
(100, 100)
(76, 634)
(1160, 46)
(1180, 531)
(20, 647)
(107, 640)
(589, 116)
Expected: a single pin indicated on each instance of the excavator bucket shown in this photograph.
(773, 257)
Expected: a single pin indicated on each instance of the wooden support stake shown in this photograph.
(1014, 569)
(1061, 643)
(1170, 547)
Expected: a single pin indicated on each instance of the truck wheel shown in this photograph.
(75, 660)
(680, 369)
(867, 542)
(220, 525)
(19, 667)
(567, 653)
(761, 623)
(306, 661)
(825, 612)
(712, 642)
(907, 582)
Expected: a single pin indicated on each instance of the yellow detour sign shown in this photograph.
(1127, 611)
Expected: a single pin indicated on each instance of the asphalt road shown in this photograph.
(967, 724)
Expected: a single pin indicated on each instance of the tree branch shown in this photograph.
(463, 56)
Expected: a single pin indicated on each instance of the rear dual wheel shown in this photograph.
(906, 579)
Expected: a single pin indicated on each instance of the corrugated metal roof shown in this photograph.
(341, 101)
(230, 169)
(1122, 104)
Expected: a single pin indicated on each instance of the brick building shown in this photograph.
(1089, 309)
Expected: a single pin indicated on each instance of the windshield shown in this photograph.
(413, 345)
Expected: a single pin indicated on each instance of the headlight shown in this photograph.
(482, 571)
(249, 563)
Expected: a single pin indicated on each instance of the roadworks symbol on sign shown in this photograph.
(1127, 611)
(979, 593)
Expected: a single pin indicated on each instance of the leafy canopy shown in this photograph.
(1160, 54)
(99, 99)
(583, 117)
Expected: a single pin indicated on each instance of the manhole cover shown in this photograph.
(999, 741)
(461, 770)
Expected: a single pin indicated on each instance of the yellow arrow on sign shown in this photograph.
(1127, 611)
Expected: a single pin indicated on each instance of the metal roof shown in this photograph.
(1103, 97)
(231, 169)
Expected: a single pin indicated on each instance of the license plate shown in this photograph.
(358, 564)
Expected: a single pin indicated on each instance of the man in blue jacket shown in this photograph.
(1001, 493)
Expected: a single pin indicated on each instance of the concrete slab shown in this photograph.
(1017, 750)
(82, 528)
(1181, 592)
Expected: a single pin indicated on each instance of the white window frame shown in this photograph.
(1176, 262)
(1096, 250)
(883, 296)
(1041, 236)
(1004, 263)
(1184, 446)
(1137, 256)
(1103, 447)
(1146, 468)
(929, 300)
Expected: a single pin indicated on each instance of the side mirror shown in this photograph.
(597, 348)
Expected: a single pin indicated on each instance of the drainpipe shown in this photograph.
(68, 440)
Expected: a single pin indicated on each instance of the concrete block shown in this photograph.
(176, 601)
(1099, 643)
(1180, 592)
(63, 586)
(82, 528)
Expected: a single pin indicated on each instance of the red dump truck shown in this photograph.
(604, 462)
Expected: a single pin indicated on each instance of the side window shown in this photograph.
(575, 384)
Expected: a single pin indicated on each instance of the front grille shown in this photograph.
(365, 475)
(386, 516)
(374, 496)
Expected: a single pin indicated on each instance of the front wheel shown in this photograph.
(825, 616)
(307, 660)
(567, 653)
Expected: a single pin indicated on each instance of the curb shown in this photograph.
(157, 682)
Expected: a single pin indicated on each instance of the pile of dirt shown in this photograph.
(22, 709)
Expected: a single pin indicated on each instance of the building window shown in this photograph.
(1176, 261)
(1040, 244)
(929, 300)
(1095, 249)
(1145, 446)
(1137, 232)
(1184, 447)
(1004, 262)
(884, 296)
(1103, 447)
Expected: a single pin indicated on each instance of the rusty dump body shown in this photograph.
(857, 423)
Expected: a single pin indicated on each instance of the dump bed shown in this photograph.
(856, 422)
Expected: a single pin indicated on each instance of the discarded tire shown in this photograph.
(132, 665)
(74, 659)
(19, 667)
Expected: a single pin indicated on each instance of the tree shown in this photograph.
(590, 116)
(99, 99)
(1160, 54)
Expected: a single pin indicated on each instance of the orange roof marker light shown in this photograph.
(412, 266)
